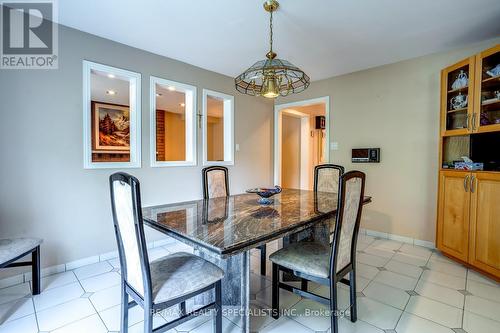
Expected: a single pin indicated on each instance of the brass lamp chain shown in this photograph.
(271, 32)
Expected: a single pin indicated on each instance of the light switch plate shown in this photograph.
(237, 147)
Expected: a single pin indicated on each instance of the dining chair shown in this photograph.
(13, 249)
(326, 177)
(164, 282)
(215, 185)
(326, 264)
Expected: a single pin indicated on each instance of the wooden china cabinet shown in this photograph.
(468, 221)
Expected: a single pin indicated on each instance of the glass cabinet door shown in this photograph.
(487, 101)
(456, 99)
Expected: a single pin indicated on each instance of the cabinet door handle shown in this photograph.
(466, 183)
(474, 121)
(472, 180)
(467, 122)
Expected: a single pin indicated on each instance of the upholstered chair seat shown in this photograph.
(12, 248)
(310, 257)
(180, 274)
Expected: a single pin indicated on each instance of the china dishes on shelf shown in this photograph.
(485, 120)
(458, 102)
(495, 71)
(461, 81)
(492, 100)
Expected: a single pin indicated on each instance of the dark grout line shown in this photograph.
(465, 297)
(34, 308)
(97, 312)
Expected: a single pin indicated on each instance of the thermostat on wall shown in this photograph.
(366, 155)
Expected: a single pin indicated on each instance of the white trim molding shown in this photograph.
(190, 120)
(228, 127)
(134, 111)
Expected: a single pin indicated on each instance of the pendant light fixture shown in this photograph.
(272, 77)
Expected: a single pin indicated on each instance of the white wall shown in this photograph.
(45, 192)
(394, 107)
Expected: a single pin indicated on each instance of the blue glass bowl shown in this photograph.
(265, 194)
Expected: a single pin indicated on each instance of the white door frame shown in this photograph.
(278, 131)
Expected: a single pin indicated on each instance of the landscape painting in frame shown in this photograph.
(111, 130)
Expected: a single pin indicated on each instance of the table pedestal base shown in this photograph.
(236, 281)
(235, 284)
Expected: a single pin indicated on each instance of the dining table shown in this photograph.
(223, 230)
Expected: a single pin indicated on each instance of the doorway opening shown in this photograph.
(301, 136)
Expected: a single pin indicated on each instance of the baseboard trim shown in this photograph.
(398, 238)
(69, 266)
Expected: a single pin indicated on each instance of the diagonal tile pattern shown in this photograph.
(402, 288)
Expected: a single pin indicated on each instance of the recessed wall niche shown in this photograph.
(111, 117)
(173, 123)
(218, 128)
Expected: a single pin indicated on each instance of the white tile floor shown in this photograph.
(401, 288)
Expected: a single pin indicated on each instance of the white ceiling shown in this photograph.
(324, 37)
(100, 83)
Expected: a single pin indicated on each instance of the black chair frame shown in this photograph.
(34, 263)
(335, 277)
(205, 171)
(146, 302)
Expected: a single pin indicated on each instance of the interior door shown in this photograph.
(453, 213)
(485, 222)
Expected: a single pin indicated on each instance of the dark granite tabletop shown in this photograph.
(236, 223)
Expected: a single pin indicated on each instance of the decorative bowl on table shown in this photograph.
(265, 194)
